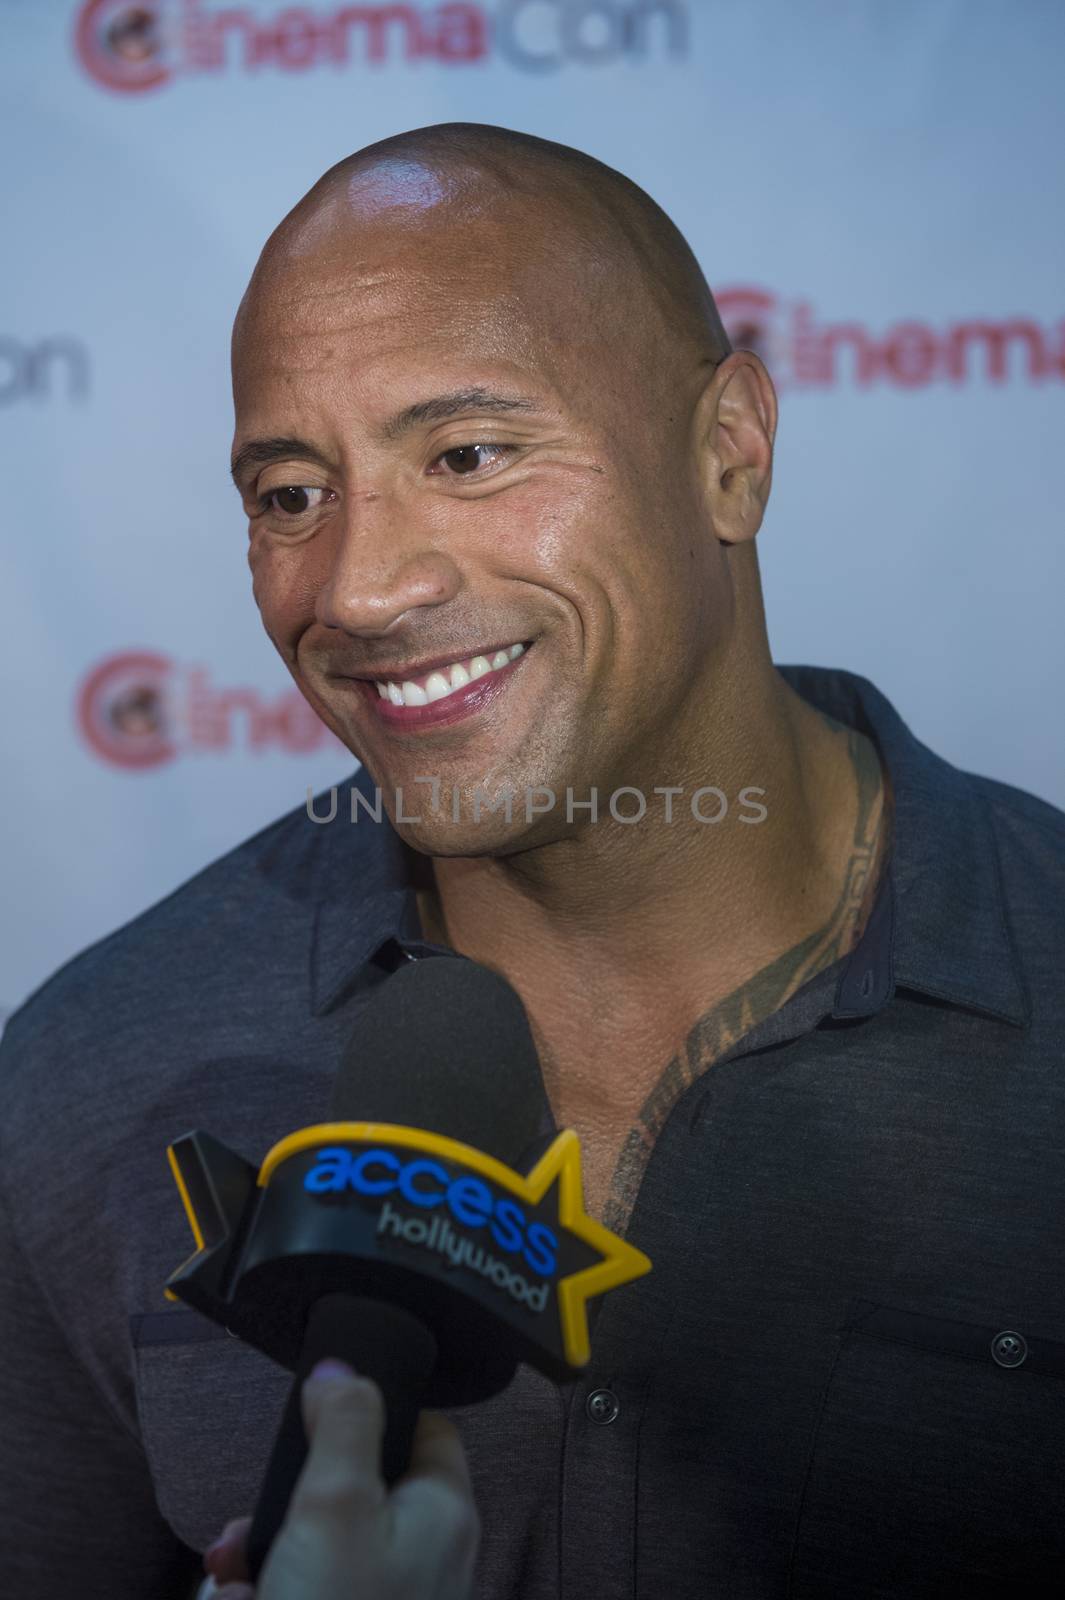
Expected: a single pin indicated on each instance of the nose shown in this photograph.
(381, 566)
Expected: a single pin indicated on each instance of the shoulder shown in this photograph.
(1030, 832)
(1028, 858)
(237, 926)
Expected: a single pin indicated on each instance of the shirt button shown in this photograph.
(1008, 1348)
(602, 1406)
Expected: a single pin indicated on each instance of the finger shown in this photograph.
(437, 1451)
(209, 1590)
(345, 1422)
(436, 1494)
(226, 1559)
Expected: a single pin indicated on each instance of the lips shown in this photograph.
(460, 703)
(419, 689)
(420, 670)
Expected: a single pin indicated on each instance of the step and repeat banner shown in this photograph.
(873, 189)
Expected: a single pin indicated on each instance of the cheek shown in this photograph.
(284, 588)
(556, 532)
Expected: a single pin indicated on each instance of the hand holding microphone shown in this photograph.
(345, 1536)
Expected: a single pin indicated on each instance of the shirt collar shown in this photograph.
(939, 924)
(366, 898)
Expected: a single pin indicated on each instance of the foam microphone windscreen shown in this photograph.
(444, 1044)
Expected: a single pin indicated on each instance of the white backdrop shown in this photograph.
(874, 191)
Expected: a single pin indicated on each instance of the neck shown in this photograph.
(685, 913)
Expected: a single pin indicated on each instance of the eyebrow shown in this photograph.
(261, 452)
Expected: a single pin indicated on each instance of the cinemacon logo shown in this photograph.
(801, 351)
(133, 48)
(139, 709)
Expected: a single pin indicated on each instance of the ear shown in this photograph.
(736, 423)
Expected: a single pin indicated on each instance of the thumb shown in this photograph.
(329, 1367)
(344, 1415)
(326, 1373)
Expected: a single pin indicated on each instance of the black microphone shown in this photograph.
(443, 1045)
(405, 1236)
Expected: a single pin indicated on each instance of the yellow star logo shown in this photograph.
(618, 1261)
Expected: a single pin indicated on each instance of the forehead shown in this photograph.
(373, 349)
(401, 287)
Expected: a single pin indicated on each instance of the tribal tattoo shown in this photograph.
(729, 1020)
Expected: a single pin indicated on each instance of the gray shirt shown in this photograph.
(844, 1376)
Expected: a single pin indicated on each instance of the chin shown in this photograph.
(492, 834)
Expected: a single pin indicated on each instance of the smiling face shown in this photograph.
(458, 433)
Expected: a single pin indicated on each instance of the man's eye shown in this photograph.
(293, 499)
(462, 461)
(296, 500)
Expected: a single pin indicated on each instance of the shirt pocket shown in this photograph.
(936, 1465)
(210, 1407)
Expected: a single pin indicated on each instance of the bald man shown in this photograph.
(581, 479)
(793, 979)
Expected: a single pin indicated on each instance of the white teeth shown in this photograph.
(447, 679)
(436, 686)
